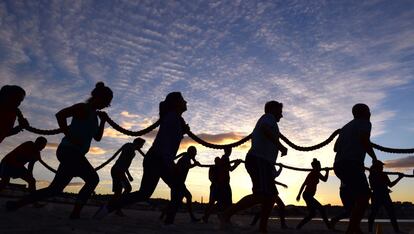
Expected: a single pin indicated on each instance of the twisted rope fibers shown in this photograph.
(197, 139)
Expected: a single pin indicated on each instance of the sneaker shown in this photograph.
(101, 213)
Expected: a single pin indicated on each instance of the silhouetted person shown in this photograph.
(73, 148)
(213, 197)
(120, 170)
(350, 147)
(13, 164)
(220, 189)
(380, 182)
(183, 166)
(259, 163)
(11, 97)
(347, 202)
(310, 185)
(159, 160)
(280, 205)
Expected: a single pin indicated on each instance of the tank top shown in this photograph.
(82, 129)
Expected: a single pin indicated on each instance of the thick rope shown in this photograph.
(42, 131)
(109, 121)
(47, 166)
(108, 161)
(132, 133)
(211, 165)
(217, 146)
(392, 150)
(301, 169)
(96, 168)
(310, 148)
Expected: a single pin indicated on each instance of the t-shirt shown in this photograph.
(312, 181)
(83, 130)
(263, 147)
(349, 146)
(169, 136)
(24, 153)
(379, 182)
(223, 171)
(183, 166)
(125, 159)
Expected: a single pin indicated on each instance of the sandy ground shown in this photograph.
(53, 218)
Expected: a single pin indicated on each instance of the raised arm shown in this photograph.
(235, 164)
(22, 124)
(103, 117)
(301, 190)
(180, 155)
(195, 163)
(66, 113)
(324, 178)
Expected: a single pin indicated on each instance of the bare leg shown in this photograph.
(357, 214)
(281, 206)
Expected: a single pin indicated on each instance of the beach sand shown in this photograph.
(53, 218)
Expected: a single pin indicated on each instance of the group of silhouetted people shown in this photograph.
(88, 122)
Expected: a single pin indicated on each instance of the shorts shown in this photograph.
(119, 180)
(352, 174)
(11, 171)
(262, 175)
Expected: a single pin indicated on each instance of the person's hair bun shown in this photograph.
(100, 84)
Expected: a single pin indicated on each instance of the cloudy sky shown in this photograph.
(228, 58)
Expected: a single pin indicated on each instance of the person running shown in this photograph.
(310, 185)
(183, 166)
(120, 170)
(11, 96)
(13, 164)
(220, 189)
(213, 197)
(280, 204)
(380, 182)
(259, 163)
(159, 160)
(73, 148)
(351, 146)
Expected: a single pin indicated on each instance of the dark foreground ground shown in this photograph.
(53, 218)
